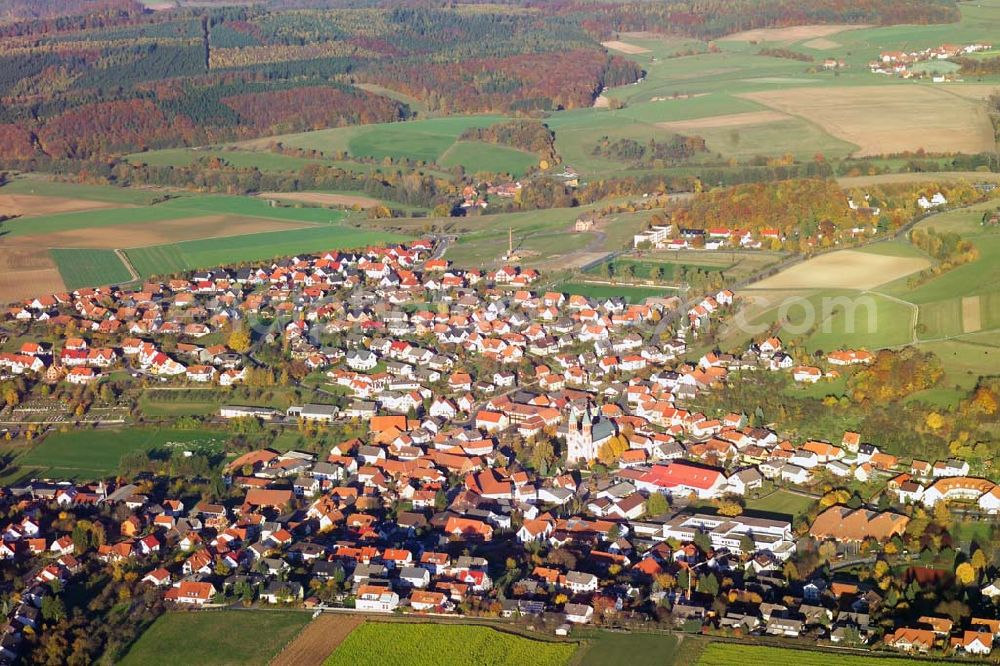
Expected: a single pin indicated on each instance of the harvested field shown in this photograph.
(821, 44)
(920, 177)
(889, 119)
(624, 47)
(728, 120)
(972, 318)
(846, 269)
(23, 205)
(27, 272)
(323, 198)
(791, 34)
(318, 640)
(972, 90)
(161, 233)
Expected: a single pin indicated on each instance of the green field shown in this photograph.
(731, 654)
(264, 161)
(423, 140)
(630, 294)
(477, 157)
(90, 454)
(543, 238)
(783, 502)
(217, 204)
(674, 89)
(90, 219)
(89, 268)
(645, 269)
(216, 638)
(967, 349)
(398, 644)
(177, 208)
(106, 193)
(212, 252)
(629, 649)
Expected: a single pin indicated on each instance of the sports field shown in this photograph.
(90, 454)
(399, 644)
(782, 502)
(630, 294)
(217, 638)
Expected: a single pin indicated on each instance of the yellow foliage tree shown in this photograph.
(934, 421)
(965, 573)
(979, 560)
(730, 508)
(612, 450)
(239, 341)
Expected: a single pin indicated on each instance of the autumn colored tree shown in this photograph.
(612, 450)
(730, 508)
(965, 574)
(239, 340)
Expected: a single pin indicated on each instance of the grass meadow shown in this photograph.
(105, 193)
(781, 502)
(218, 638)
(208, 253)
(88, 267)
(90, 454)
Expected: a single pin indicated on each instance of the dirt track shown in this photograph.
(318, 640)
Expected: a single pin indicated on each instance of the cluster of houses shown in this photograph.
(449, 369)
(901, 63)
(935, 201)
(663, 237)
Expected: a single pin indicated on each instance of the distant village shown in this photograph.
(525, 454)
(902, 64)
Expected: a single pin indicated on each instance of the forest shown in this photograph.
(89, 79)
(529, 135)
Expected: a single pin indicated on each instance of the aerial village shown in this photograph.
(516, 453)
(918, 64)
